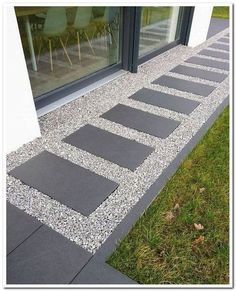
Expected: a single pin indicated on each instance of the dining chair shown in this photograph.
(106, 24)
(54, 28)
(81, 24)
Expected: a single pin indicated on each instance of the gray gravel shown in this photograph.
(90, 232)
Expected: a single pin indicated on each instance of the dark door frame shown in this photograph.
(130, 32)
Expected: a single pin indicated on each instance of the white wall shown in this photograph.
(200, 24)
(20, 118)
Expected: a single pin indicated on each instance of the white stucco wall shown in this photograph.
(20, 118)
(200, 24)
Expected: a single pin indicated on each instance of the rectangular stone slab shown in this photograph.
(164, 25)
(224, 39)
(199, 73)
(151, 35)
(214, 54)
(20, 226)
(144, 41)
(220, 46)
(46, 257)
(66, 182)
(142, 121)
(164, 100)
(184, 85)
(208, 63)
(119, 150)
(101, 273)
(157, 30)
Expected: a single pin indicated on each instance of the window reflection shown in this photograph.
(159, 27)
(64, 44)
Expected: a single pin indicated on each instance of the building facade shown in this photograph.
(53, 55)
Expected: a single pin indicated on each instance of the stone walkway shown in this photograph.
(99, 155)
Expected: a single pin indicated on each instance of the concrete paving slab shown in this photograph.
(208, 63)
(160, 99)
(184, 85)
(46, 257)
(220, 46)
(214, 54)
(119, 150)
(142, 121)
(157, 30)
(217, 25)
(224, 39)
(66, 182)
(101, 273)
(20, 226)
(147, 42)
(199, 73)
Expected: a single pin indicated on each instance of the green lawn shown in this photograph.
(221, 12)
(164, 246)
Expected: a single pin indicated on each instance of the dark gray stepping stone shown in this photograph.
(164, 100)
(214, 54)
(184, 85)
(66, 182)
(19, 227)
(199, 73)
(144, 41)
(142, 121)
(101, 273)
(208, 63)
(156, 30)
(119, 150)
(224, 39)
(151, 29)
(220, 46)
(46, 257)
(151, 35)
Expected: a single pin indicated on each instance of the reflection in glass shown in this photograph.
(64, 44)
(159, 27)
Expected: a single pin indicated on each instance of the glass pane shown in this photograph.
(64, 44)
(159, 27)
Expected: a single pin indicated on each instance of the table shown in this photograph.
(25, 12)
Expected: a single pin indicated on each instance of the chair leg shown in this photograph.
(112, 34)
(50, 53)
(40, 48)
(93, 35)
(67, 38)
(78, 40)
(63, 46)
(86, 35)
(109, 35)
(105, 38)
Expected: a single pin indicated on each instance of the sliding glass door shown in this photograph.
(64, 44)
(160, 26)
